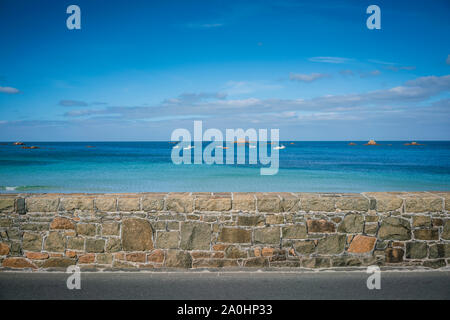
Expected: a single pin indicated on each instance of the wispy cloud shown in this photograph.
(396, 69)
(347, 72)
(205, 25)
(246, 87)
(381, 62)
(307, 77)
(406, 99)
(72, 103)
(330, 59)
(415, 101)
(373, 73)
(392, 65)
(362, 74)
(9, 90)
(189, 98)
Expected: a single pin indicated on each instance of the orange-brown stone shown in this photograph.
(71, 254)
(362, 244)
(56, 255)
(37, 255)
(62, 223)
(18, 263)
(156, 256)
(218, 255)
(219, 247)
(87, 258)
(136, 257)
(394, 255)
(119, 256)
(4, 249)
(267, 252)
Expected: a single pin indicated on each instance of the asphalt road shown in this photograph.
(223, 286)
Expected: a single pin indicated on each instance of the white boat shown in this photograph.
(189, 148)
(280, 147)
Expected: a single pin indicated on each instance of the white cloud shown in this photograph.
(408, 100)
(307, 77)
(9, 90)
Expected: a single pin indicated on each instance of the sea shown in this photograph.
(304, 166)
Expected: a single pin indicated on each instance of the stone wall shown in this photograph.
(224, 230)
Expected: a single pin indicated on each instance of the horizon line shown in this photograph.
(85, 141)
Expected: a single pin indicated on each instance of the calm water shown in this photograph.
(147, 166)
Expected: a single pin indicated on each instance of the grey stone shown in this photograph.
(297, 231)
(55, 242)
(332, 244)
(167, 240)
(416, 250)
(267, 235)
(178, 259)
(95, 245)
(394, 229)
(195, 236)
(137, 235)
(304, 247)
(352, 223)
(32, 242)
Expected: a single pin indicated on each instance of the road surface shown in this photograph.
(230, 285)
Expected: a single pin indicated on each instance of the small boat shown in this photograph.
(280, 147)
(252, 147)
(176, 147)
(18, 143)
(189, 148)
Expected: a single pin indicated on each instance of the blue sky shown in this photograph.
(139, 69)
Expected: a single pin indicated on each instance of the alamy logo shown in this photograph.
(74, 20)
(74, 280)
(374, 281)
(374, 21)
(213, 153)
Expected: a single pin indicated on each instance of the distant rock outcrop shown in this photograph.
(371, 143)
(32, 147)
(18, 143)
(413, 144)
(352, 144)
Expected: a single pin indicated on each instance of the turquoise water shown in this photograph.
(147, 167)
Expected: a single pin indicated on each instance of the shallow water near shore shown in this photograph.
(147, 167)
